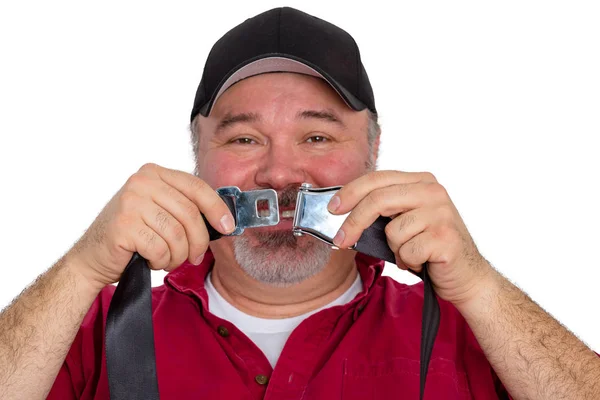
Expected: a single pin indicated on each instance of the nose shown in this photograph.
(280, 167)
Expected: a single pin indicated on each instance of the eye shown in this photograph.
(243, 140)
(317, 139)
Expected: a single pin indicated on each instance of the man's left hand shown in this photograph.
(425, 227)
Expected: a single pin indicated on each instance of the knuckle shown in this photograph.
(376, 198)
(446, 212)
(446, 258)
(122, 221)
(197, 184)
(401, 190)
(216, 205)
(171, 192)
(380, 176)
(148, 237)
(191, 211)
(406, 220)
(162, 220)
(390, 230)
(149, 167)
(128, 200)
(348, 192)
(437, 190)
(398, 226)
(351, 220)
(410, 260)
(428, 176)
(411, 250)
(160, 254)
(406, 254)
(157, 250)
(447, 234)
(382, 196)
(177, 231)
(415, 248)
(136, 180)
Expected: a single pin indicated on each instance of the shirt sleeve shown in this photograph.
(501, 391)
(63, 386)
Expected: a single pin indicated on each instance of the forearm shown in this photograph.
(38, 328)
(532, 353)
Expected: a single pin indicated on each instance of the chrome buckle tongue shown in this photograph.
(312, 217)
(247, 204)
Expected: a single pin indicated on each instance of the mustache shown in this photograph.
(286, 197)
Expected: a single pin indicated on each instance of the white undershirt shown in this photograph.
(269, 335)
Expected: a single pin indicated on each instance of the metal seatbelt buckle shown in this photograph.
(311, 216)
(252, 208)
(259, 208)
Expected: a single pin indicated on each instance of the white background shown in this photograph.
(500, 100)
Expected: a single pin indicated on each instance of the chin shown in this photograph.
(279, 258)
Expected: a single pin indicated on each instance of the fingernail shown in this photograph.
(339, 238)
(334, 203)
(199, 259)
(227, 223)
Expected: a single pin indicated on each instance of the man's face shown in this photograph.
(277, 131)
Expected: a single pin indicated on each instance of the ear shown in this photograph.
(373, 157)
(376, 149)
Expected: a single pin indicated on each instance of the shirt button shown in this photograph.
(358, 311)
(223, 331)
(261, 379)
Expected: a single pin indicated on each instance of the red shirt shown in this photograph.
(366, 349)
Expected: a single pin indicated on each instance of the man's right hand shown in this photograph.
(157, 213)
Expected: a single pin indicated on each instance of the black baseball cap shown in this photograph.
(285, 40)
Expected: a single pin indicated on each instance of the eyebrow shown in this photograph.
(323, 115)
(232, 119)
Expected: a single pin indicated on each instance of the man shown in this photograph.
(284, 99)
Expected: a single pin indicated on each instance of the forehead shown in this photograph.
(279, 90)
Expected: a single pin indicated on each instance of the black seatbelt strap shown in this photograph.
(130, 359)
(130, 355)
(373, 242)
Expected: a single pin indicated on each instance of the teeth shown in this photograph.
(284, 214)
(287, 214)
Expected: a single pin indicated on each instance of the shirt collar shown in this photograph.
(189, 279)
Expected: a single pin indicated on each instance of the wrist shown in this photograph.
(81, 272)
(482, 294)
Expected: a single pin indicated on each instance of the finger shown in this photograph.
(400, 264)
(408, 225)
(150, 245)
(172, 232)
(200, 193)
(418, 250)
(349, 195)
(386, 201)
(188, 215)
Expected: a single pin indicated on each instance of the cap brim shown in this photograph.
(279, 63)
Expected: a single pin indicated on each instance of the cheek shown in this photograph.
(337, 168)
(222, 169)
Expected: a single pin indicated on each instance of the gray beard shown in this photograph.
(280, 259)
